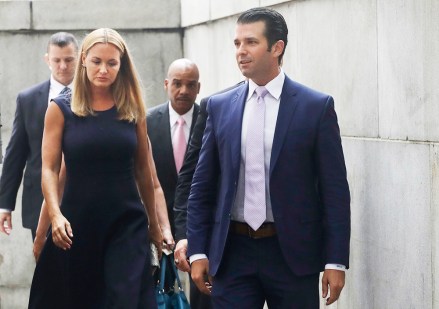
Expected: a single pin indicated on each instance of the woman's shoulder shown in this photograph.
(63, 102)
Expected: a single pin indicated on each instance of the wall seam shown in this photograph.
(432, 164)
(377, 68)
(31, 14)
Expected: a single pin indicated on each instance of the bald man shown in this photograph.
(169, 128)
(182, 87)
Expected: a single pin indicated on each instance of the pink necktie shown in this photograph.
(179, 144)
(254, 195)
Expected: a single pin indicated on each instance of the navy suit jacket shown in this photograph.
(308, 187)
(187, 170)
(161, 142)
(24, 150)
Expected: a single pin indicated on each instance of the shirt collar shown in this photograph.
(173, 115)
(56, 86)
(274, 86)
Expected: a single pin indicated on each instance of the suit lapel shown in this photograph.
(164, 131)
(235, 125)
(288, 103)
(195, 113)
(40, 102)
(42, 97)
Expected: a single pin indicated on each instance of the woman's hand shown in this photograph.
(156, 237)
(61, 232)
(168, 240)
(38, 246)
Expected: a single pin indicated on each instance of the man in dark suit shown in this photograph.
(165, 123)
(182, 87)
(269, 206)
(24, 148)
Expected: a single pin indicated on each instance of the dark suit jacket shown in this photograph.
(308, 186)
(24, 150)
(187, 170)
(160, 136)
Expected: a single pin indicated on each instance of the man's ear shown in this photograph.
(278, 48)
(166, 83)
(46, 59)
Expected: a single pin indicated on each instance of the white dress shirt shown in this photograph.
(272, 101)
(55, 88)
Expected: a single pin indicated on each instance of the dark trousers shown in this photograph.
(254, 271)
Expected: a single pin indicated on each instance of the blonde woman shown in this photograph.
(97, 255)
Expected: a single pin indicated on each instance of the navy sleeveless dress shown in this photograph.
(108, 265)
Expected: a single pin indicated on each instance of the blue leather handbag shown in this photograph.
(170, 298)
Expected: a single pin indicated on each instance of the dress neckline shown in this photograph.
(105, 110)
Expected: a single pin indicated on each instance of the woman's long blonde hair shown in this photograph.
(126, 89)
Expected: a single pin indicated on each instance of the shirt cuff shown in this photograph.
(335, 266)
(4, 210)
(196, 257)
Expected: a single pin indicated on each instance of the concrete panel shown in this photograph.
(16, 263)
(391, 225)
(152, 53)
(332, 48)
(271, 2)
(194, 12)
(434, 159)
(117, 14)
(224, 8)
(198, 11)
(14, 298)
(215, 56)
(21, 66)
(408, 69)
(14, 15)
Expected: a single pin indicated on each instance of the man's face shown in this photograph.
(62, 62)
(252, 53)
(182, 87)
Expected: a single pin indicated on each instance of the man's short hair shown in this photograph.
(62, 39)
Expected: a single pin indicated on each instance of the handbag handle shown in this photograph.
(161, 285)
(180, 287)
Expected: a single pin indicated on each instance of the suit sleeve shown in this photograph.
(333, 188)
(15, 160)
(201, 203)
(187, 172)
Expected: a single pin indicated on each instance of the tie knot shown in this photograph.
(66, 91)
(180, 121)
(261, 91)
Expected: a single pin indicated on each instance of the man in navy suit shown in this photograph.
(269, 206)
(24, 148)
